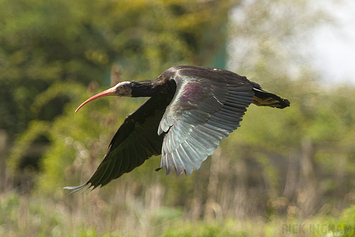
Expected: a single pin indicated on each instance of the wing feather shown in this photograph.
(134, 142)
(208, 105)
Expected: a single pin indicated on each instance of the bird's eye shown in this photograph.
(121, 87)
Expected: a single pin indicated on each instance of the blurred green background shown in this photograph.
(282, 173)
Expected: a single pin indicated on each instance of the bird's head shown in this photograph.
(121, 89)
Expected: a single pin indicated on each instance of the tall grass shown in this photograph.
(89, 215)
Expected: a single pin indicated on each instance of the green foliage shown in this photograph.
(90, 233)
(54, 55)
(22, 216)
(42, 43)
(48, 51)
(202, 230)
(345, 224)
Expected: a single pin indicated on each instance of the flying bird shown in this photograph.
(189, 111)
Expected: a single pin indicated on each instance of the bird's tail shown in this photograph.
(263, 98)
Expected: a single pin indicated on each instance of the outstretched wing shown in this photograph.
(134, 142)
(207, 106)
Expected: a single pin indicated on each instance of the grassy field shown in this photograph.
(32, 215)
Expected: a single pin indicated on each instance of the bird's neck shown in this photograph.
(144, 89)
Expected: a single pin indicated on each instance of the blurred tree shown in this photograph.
(45, 42)
(47, 47)
(269, 46)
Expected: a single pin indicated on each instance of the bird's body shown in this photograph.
(190, 110)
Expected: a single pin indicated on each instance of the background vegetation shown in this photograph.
(283, 173)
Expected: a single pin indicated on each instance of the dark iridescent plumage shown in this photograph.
(190, 110)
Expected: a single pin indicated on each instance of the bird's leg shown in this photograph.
(265, 102)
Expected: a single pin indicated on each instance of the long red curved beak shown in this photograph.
(107, 92)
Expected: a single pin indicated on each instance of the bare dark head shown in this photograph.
(121, 89)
